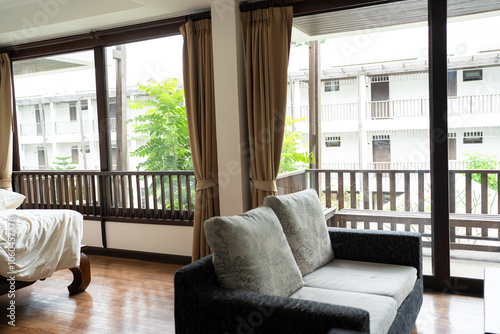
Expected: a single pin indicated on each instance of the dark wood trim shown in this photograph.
(102, 107)
(137, 255)
(455, 286)
(104, 238)
(103, 121)
(16, 162)
(311, 7)
(98, 38)
(438, 99)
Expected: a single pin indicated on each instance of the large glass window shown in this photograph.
(473, 114)
(56, 112)
(146, 106)
(373, 105)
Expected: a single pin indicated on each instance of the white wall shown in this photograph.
(175, 240)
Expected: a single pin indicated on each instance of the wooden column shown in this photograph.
(438, 90)
(314, 111)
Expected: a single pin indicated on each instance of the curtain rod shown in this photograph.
(199, 16)
(96, 35)
(249, 6)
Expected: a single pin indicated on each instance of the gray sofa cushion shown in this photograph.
(303, 221)
(250, 253)
(382, 309)
(365, 277)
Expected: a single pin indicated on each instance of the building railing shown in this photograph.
(34, 129)
(331, 112)
(137, 197)
(410, 165)
(471, 192)
(420, 107)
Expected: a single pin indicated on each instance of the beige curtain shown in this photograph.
(200, 107)
(5, 122)
(267, 34)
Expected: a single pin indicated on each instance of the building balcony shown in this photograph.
(390, 109)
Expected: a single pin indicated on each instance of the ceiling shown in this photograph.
(23, 21)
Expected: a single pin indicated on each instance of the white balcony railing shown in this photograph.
(476, 104)
(34, 129)
(70, 127)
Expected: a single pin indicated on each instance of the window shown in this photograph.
(75, 154)
(331, 85)
(473, 75)
(380, 96)
(69, 85)
(382, 151)
(39, 121)
(452, 83)
(332, 141)
(42, 161)
(452, 146)
(84, 104)
(475, 137)
(137, 76)
(72, 111)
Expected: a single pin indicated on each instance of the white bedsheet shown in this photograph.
(45, 241)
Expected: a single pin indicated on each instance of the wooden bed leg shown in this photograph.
(81, 275)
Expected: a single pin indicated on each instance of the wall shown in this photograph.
(175, 240)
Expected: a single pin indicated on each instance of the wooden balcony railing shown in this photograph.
(471, 192)
(138, 197)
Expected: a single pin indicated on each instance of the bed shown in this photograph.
(36, 243)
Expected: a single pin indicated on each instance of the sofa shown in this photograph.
(268, 273)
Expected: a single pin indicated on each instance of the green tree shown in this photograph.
(62, 163)
(291, 158)
(164, 127)
(477, 160)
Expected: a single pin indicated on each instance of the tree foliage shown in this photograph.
(291, 157)
(163, 126)
(477, 160)
(62, 163)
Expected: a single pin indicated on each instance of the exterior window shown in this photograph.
(113, 155)
(39, 121)
(380, 96)
(473, 137)
(452, 146)
(72, 111)
(84, 104)
(382, 151)
(331, 85)
(42, 162)
(452, 83)
(473, 75)
(74, 154)
(332, 141)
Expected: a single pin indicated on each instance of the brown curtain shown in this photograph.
(5, 122)
(200, 107)
(267, 35)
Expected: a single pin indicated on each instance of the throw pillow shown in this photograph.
(250, 253)
(303, 221)
(10, 199)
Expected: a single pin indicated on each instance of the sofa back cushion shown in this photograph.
(303, 221)
(250, 253)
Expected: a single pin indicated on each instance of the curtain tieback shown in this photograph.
(265, 185)
(206, 183)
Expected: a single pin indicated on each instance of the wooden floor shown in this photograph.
(130, 296)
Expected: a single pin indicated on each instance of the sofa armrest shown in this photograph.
(202, 306)
(390, 247)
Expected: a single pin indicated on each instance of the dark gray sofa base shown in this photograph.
(203, 306)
